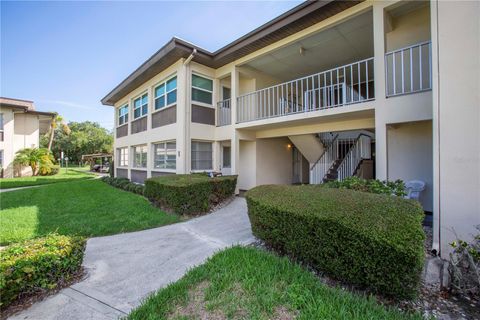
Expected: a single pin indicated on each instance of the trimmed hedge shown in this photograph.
(125, 184)
(37, 265)
(189, 193)
(370, 240)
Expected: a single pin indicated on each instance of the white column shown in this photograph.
(182, 98)
(235, 90)
(380, 100)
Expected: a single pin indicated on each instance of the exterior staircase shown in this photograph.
(341, 157)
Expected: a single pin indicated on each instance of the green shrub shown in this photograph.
(37, 265)
(189, 193)
(370, 240)
(125, 184)
(396, 187)
(48, 170)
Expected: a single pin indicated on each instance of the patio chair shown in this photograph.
(414, 188)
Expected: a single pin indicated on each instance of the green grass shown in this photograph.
(62, 176)
(247, 283)
(85, 208)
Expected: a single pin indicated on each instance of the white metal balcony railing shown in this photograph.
(224, 113)
(409, 70)
(340, 86)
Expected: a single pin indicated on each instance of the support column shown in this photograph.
(235, 141)
(182, 102)
(380, 97)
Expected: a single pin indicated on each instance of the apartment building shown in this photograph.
(20, 127)
(330, 89)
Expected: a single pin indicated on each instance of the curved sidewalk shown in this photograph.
(123, 269)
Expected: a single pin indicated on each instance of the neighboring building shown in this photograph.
(329, 89)
(20, 127)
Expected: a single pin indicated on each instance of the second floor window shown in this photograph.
(140, 106)
(123, 115)
(166, 93)
(202, 89)
(140, 156)
(123, 157)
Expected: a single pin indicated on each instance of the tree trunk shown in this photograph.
(50, 142)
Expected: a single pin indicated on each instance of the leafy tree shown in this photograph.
(34, 158)
(84, 138)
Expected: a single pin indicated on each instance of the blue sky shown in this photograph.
(66, 56)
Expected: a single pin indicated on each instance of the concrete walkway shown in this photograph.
(123, 269)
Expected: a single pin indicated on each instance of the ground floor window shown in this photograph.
(165, 155)
(122, 157)
(227, 155)
(202, 155)
(140, 156)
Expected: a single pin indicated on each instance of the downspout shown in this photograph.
(188, 106)
(437, 226)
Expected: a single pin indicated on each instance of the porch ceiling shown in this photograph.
(347, 42)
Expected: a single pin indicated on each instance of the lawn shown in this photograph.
(86, 208)
(247, 283)
(63, 176)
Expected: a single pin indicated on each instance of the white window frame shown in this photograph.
(134, 156)
(140, 107)
(124, 116)
(201, 89)
(165, 94)
(191, 156)
(154, 154)
(122, 157)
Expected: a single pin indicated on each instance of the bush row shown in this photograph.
(370, 240)
(125, 184)
(37, 265)
(396, 187)
(189, 193)
(49, 170)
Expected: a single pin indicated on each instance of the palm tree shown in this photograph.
(33, 157)
(57, 120)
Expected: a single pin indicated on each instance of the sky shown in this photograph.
(67, 55)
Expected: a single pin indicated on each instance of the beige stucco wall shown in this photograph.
(456, 124)
(410, 156)
(274, 161)
(408, 29)
(247, 169)
(20, 131)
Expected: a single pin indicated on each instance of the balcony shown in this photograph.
(409, 70)
(338, 87)
(224, 113)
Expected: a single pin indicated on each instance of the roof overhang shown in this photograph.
(292, 21)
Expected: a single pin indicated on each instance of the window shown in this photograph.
(202, 89)
(1, 159)
(122, 157)
(140, 106)
(227, 151)
(166, 93)
(165, 155)
(202, 155)
(140, 156)
(123, 115)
